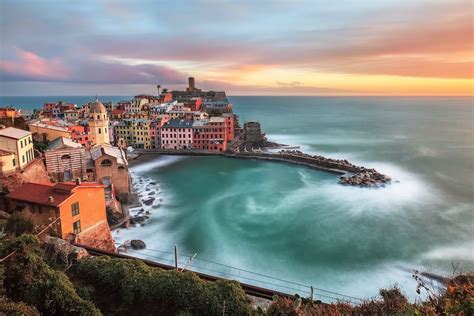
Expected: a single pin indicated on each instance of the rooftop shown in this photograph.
(61, 142)
(53, 127)
(217, 119)
(109, 150)
(15, 133)
(39, 193)
(179, 124)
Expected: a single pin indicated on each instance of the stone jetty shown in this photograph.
(349, 173)
(359, 176)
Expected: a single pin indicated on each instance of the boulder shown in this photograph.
(137, 244)
(149, 201)
(136, 220)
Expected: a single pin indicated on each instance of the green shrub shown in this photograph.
(17, 225)
(29, 279)
(8, 307)
(125, 286)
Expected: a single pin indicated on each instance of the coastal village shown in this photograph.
(66, 166)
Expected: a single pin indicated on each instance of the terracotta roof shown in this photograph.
(114, 112)
(40, 192)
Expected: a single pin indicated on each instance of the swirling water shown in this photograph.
(297, 223)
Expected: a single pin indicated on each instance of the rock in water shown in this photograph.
(149, 201)
(137, 244)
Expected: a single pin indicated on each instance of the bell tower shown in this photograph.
(99, 123)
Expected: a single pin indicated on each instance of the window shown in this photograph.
(76, 227)
(106, 163)
(21, 143)
(99, 131)
(75, 208)
(14, 163)
(23, 158)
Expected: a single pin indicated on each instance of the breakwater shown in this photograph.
(349, 173)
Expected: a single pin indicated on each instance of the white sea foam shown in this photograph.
(159, 162)
(458, 251)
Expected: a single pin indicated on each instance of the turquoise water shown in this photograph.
(298, 224)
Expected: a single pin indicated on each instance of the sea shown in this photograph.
(291, 228)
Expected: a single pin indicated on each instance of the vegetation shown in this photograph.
(130, 285)
(9, 307)
(17, 225)
(40, 146)
(92, 286)
(29, 279)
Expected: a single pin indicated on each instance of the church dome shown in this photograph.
(97, 107)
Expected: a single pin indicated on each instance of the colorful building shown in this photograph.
(111, 170)
(177, 134)
(48, 132)
(65, 160)
(210, 134)
(135, 132)
(75, 210)
(7, 163)
(19, 143)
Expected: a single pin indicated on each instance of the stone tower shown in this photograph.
(99, 123)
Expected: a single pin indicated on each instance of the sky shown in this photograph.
(297, 47)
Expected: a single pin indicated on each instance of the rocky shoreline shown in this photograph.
(149, 200)
(360, 176)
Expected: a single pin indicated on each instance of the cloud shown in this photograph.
(289, 84)
(235, 42)
(28, 65)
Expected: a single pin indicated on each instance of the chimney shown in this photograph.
(50, 199)
(78, 181)
(158, 87)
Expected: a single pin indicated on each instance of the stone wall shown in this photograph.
(33, 172)
(253, 132)
(97, 236)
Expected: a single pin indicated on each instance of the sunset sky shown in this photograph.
(403, 47)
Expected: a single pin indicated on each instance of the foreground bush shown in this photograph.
(31, 280)
(8, 307)
(129, 286)
(17, 225)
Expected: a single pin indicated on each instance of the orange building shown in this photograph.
(79, 207)
(8, 112)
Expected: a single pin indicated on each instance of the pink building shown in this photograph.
(177, 134)
(155, 127)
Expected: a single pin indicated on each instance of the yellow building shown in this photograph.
(49, 132)
(99, 123)
(135, 132)
(19, 143)
(7, 163)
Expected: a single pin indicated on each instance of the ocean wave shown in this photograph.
(457, 251)
(159, 162)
